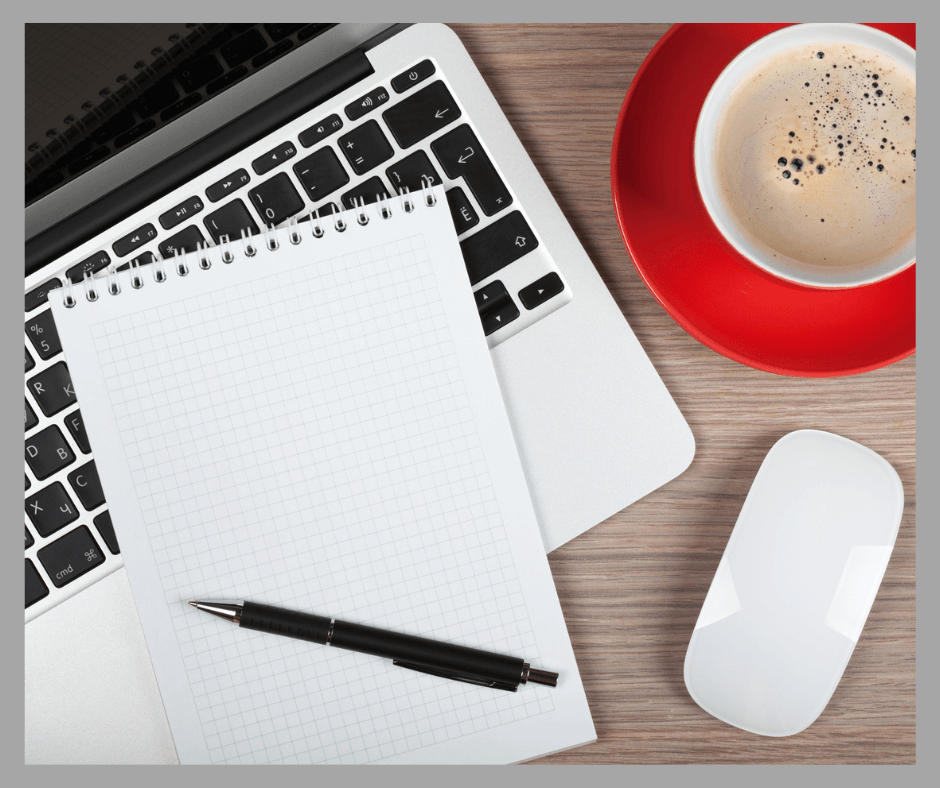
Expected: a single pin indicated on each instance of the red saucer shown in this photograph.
(714, 293)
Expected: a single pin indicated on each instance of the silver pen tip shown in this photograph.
(194, 604)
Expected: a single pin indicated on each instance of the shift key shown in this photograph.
(496, 246)
(71, 556)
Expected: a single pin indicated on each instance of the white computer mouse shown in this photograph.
(795, 584)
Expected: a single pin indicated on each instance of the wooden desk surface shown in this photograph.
(631, 588)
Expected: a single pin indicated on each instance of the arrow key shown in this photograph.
(541, 290)
(498, 315)
(490, 294)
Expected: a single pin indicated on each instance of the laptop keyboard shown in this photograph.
(380, 145)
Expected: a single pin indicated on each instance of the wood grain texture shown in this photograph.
(631, 588)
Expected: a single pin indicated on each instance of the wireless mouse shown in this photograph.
(795, 584)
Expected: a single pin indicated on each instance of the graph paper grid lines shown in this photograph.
(306, 440)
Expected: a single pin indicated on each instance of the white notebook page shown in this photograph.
(320, 428)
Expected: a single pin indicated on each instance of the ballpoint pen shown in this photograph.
(446, 660)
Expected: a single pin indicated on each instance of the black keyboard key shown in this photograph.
(50, 509)
(366, 103)
(411, 173)
(47, 452)
(181, 213)
(490, 294)
(365, 147)
(31, 419)
(140, 130)
(272, 54)
(95, 263)
(76, 425)
(276, 199)
(115, 125)
(29, 539)
(461, 210)
(158, 97)
(223, 82)
(35, 587)
(185, 240)
(133, 240)
(106, 529)
(320, 131)
(87, 485)
(411, 77)
(179, 107)
(541, 290)
(271, 159)
(199, 72)
(461, 155)
(419, 116)
(321, 173)
(243, 48)
(230, 220)
(27, 481)
(496, 246)
(277, 32)
(42, 333)
(227, 185)
(498, 315)
(312, 30)
(52, 388)
(369, 191)
(39, 295)
(70, 556)
(29, 361)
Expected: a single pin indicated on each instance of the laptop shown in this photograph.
(344, 114)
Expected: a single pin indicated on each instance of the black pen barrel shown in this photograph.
(304, 626)
(431, 653)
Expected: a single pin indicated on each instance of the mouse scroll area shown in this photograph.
(794, 586)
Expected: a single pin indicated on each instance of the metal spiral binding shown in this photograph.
(90, 293)
(114, 286)
(204, 253)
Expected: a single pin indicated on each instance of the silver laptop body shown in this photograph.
(594, 425)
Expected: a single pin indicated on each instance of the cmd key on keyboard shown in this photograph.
(70, 556)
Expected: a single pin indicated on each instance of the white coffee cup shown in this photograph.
(787, 38)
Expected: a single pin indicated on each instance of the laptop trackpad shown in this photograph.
(91, 695)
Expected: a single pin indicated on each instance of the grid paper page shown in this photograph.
(324, 434)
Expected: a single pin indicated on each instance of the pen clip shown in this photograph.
(446, 674)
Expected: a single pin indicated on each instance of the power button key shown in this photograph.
(412, 76)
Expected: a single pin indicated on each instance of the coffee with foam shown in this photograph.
(815, 156)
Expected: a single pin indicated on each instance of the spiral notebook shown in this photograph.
(316, 424)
